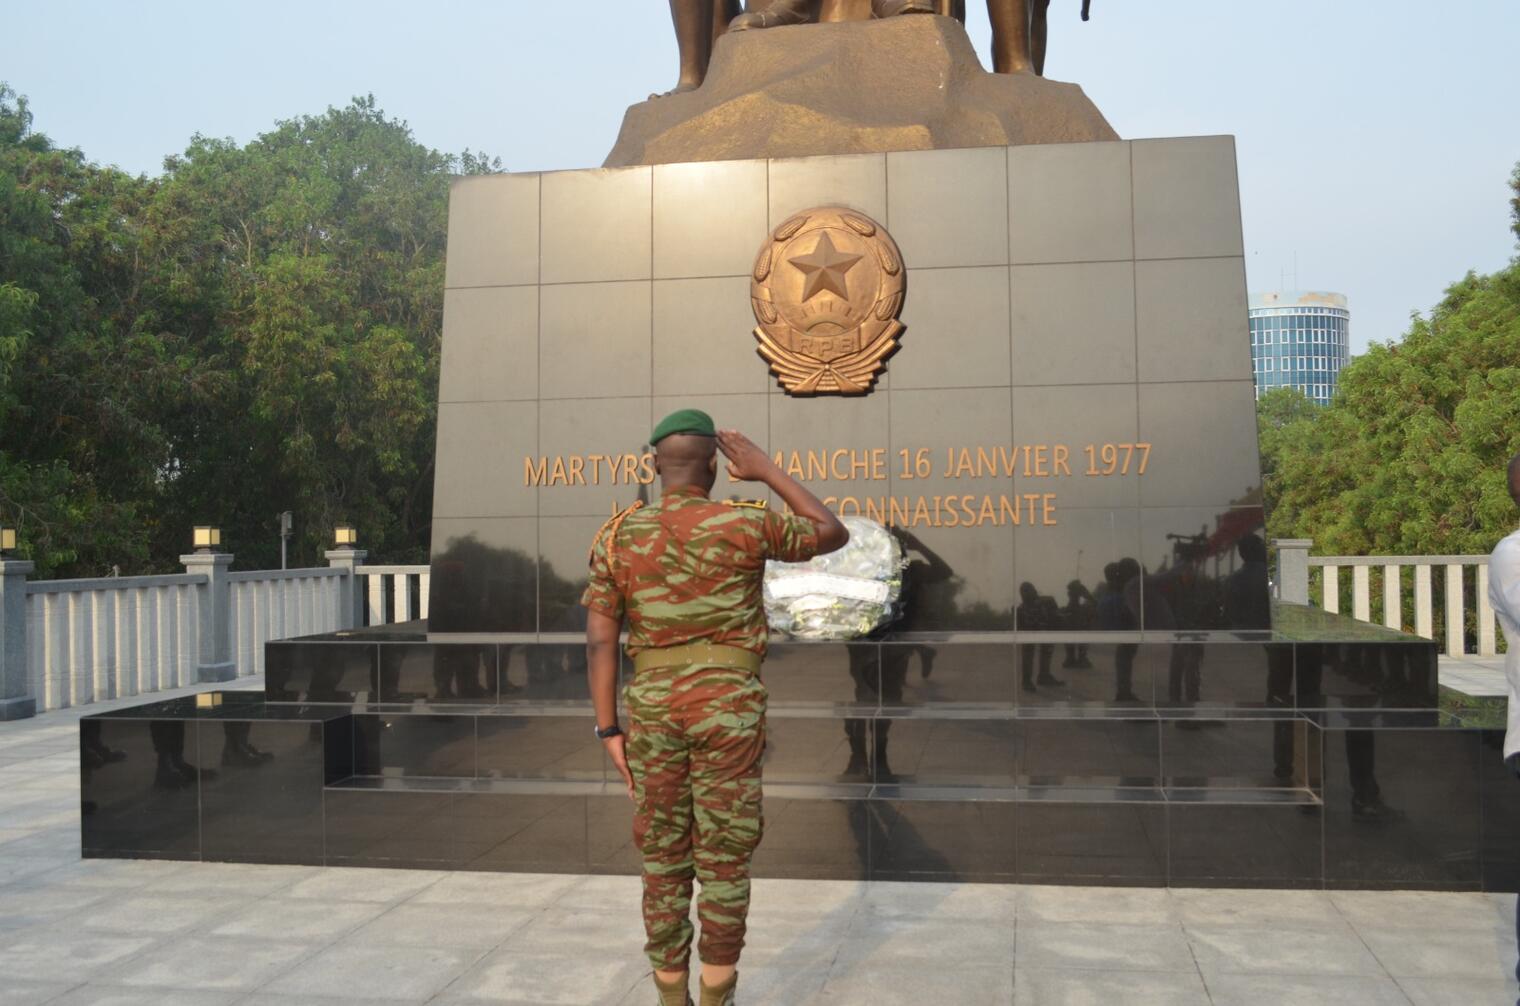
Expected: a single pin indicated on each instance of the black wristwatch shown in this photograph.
(602, 733)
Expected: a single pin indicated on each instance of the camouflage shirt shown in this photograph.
(688, 569)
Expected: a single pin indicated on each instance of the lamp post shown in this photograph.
(347, 556)
(206, 538)
(285, 523)
(16, 701)
(213, 603)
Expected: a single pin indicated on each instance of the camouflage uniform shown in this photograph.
(688, 570)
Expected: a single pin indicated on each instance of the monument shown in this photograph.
(951, 301)
(905, 83)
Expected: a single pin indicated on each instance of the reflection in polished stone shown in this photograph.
(263, 805)
(537, 747)
(843, 676)
(609, 833)
(1235, 753)
(819, 838)
(1120, 842)
(945, 841)
(521, 832)
(394, 829)
(971, 753)
(403, 745)
(480, 582)
(1202, 569)
(1090, 753)
(1364, 675)
(912, 756)
(1402, 806)
(1501, 815)
(140, 788)
(438, 673)
(337, 671)
(544, 672)
(1192, 674)
(937, 673)
(1094, 673)
(813, 750)
(1264, 844)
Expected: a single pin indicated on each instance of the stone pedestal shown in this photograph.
(903, 759)
(1075, 329)
(351, 592)
(906, 83)
(213, 602)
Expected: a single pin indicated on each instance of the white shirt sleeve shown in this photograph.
(1504, 584)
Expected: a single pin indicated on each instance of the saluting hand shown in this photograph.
(746, 461)
(616, 751)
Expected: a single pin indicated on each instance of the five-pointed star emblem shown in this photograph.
(824, 268)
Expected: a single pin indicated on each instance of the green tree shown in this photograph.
(1284, 418)
(78, 449)
(1409, 456)
(307, 272)
(255, 331)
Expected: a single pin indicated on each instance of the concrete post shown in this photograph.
(213, 601)
(350, 590)
(15, 701)
(1293, 569)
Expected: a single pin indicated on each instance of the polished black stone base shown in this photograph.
(1286, 759)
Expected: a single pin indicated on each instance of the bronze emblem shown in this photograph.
(827, 289)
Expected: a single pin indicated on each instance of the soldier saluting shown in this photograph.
(685, 573)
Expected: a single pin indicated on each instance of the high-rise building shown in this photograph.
(1300, 339)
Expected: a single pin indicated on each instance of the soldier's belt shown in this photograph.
(711, 654)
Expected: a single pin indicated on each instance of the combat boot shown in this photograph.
(675, 993)
(723, 995)
(893, 8)
(776, 15)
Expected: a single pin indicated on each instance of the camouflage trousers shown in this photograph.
(696, 735)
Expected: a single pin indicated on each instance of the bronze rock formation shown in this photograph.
(907, 83)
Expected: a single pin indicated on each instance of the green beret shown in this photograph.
(684, 421)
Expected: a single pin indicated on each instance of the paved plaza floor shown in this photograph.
(141, 933)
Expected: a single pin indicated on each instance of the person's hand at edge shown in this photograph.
(617, 751)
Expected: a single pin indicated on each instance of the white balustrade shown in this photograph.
(280, 604)
(1486, 637)
(1330, 588)
(394, 593)
(1456, 618)
(90, 640)
(1457, 595)
(110, 638)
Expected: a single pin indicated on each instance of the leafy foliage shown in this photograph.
(1409, 456)
(1514, 203)
(76, 455)
(257, 330)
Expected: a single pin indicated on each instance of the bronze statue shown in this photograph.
(784, 12)
(1019, 34)
(698, 24)
(1019, 27)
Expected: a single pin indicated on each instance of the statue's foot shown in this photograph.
(777, 15)
(683, 87)
(892, 8)
(1017, 67)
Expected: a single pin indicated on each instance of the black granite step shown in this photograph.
(1291, 758)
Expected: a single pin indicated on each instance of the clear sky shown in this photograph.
(1375, 136)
